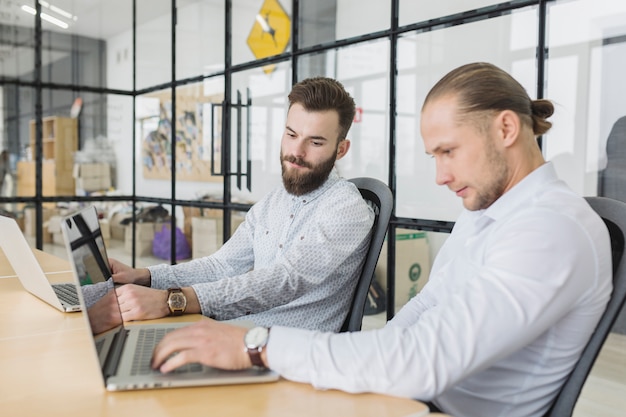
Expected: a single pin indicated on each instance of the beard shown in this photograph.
(494, 188)
(300, 183)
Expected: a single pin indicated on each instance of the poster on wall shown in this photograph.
(193, 155)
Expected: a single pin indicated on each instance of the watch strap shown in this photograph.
(255, 357)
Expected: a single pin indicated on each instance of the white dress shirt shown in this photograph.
(294, 261)
(513, 296)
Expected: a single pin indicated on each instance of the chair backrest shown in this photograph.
(613, 212)
(378, 195)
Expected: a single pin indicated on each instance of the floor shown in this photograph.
(604, 394)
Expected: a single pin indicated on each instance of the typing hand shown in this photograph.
(208, 342)
(141, 303)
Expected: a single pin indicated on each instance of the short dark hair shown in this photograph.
(321, 94)
(483, 87)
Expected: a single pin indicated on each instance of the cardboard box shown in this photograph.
(190, 212)
(144, 235)
(412, 265)
(207, 234)
(105, 228)
(118, 230)
(30, 219)
(54, 228)
(92, 176)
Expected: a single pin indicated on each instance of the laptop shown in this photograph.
(61, 296)
(124, 351)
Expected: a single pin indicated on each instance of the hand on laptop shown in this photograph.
(141, 303)
(124, 274)
(209, 342)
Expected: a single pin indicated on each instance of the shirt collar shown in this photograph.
(521, 193)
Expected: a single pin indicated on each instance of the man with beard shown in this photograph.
(296, 258)
(513, 295)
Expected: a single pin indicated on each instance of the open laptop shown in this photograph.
(124, 351)
(61, 296)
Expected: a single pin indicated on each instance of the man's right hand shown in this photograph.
(124, 274)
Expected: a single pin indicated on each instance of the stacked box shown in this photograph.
(144, 235)
(30, 222)
(207, 234)
(54, 228)
(92, 177)
(118, 230)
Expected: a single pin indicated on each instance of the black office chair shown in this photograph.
(378, 195)
(613, 212)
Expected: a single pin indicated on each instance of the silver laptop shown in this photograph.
(61, 296)
(124, 351)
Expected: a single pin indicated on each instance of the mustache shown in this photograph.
(297, 161)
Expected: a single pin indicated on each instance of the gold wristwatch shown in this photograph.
(176, 301)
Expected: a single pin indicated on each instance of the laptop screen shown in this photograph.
(85, 246)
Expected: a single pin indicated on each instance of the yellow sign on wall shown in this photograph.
(270, 33)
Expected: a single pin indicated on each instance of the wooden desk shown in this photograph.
(48, 369)
(51, 262)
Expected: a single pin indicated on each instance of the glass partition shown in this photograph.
(413, 11)
(199, 38)
(508, 41)
(257, 121)
(199, 139)
(154, 43)
(587, 45)
(330, 20)
(17, 44)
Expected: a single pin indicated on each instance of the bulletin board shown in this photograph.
(193, 136)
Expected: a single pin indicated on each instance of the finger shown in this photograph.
(177, 360)
(173, 342)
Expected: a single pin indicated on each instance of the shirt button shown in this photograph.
(291, 216)
(280, 245)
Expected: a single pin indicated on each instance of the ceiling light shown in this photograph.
(46, 16)
(54, 20)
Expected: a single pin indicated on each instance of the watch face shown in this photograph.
(256, 337)
(177, 300)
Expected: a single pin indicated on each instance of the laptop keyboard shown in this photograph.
(147, 340)
(66, 293)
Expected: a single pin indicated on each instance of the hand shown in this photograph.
(104, 313)
(124, 274)
(208, 342)
(141, 303)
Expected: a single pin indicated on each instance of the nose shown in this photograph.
(442, 175)
(297, 148)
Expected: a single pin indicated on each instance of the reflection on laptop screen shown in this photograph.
(85, 245)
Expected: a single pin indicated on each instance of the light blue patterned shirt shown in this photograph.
(294, 261)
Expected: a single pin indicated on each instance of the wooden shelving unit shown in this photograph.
(59, 143)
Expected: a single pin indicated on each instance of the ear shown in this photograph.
(342, 148)
(509, 126)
